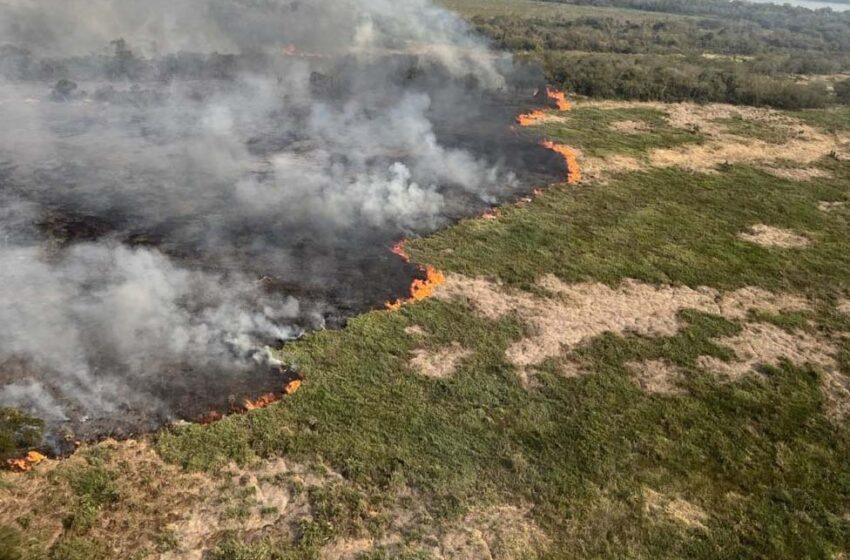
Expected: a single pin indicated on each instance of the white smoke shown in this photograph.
(193, 118)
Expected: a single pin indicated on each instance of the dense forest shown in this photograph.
(702, 50)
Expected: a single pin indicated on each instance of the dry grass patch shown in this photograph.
(805, 144)
(440, 362)
(503, 532)
(600, 169)
(656, 376)
(825, 206)
(770, 236)
(150, 493)
(844, 306)
(415, 330)
(630, 127)
(798, 174)
(578, 312)
(675, 509)
(763, 343)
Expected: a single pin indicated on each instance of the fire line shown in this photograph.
(420, 288)
(534, 117)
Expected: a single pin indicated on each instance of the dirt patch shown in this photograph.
(656, 376)
(504, 532)
(804, 146)
(346, 549)
(602, 168)
(438, 363)
(844, 306)
(675, 509)
(151, 492)
(770, 236)
(578, 312)
(415, 330)
(825, 206)
(800, 174)
(763, 343)
(159, 502)
(737, 304)
(630, 127)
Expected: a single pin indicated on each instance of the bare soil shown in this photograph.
(770, 236)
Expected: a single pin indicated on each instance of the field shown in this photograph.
(653, 363)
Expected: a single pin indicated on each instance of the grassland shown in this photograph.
(528, 9)
(673, 425)
(381, 461)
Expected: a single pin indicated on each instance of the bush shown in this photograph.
(18, 432)
(842, 91)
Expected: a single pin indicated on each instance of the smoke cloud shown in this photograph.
(184, 181)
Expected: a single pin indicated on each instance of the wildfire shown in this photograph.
(560, 99)
(292, 385)
(25, 463)
(533, 117)
(573, 171)
(398, 249)
(530, 119)
(265, 400)
(420, 288)
(261, 402)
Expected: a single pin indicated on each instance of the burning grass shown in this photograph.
(420, 288)
(750, 467)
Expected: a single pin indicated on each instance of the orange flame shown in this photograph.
(530, 119)
(265, 400)
(420, 288)
(25, 463)
(573, 171)
(398, 249)
(534, 117)
(261, 402)
(560, 99)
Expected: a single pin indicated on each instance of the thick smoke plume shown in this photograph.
(183, 182)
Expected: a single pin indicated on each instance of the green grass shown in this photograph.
(18, 432)
(95, 488)
(832, 120)
(759, 456)
(591, 129)
(531, 9)
(664, 226)
(759, 130)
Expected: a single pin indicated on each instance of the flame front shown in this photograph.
(269, 398)
(420, 288)
(534, 117)
(530, 119)
(398, 249)
(573, 171)
(560, 99)
(25, 463)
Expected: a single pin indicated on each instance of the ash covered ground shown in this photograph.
(184, 184)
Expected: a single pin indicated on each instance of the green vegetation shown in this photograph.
(660, 226)
(594, 130)
(77, 548)
(675, 50)
(18, 432)
(598, 466)
(833, 120)
(95, 488)
(759, 456)
(10, 544)
(769, 132)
